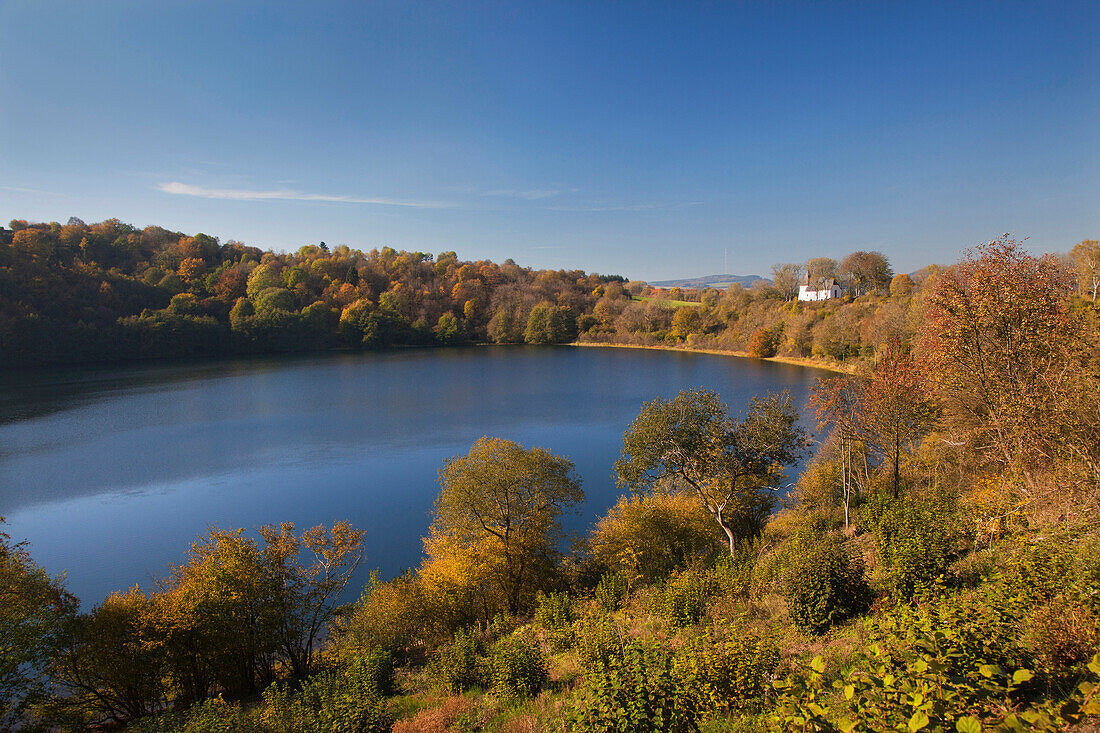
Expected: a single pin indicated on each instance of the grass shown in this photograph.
(666, 303)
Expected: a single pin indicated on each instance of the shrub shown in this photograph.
(652, 535)
(1063, 633)
(684, 598)
(554, 611)
(376, 666)
(518, 668)
(764, 342)
(825, 586)
(636, 691)
(345, 701)
(209, 716)
(457, 665)
(611, 591)
(597, 639)
(728, 676)
(916, 541)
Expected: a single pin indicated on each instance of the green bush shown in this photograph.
(343, 701)
(728, 676)
(637, 690)
(597, 639)
(517, 667)
(209, 716)
(457, 666)
(825, 586)
(683, 600)
(555, 611)
(917, 540)
(376, 666)
(612, 591)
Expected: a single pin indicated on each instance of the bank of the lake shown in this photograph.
(830, 366)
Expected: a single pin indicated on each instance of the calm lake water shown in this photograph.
(109, 473)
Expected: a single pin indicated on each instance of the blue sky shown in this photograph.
(646, 139)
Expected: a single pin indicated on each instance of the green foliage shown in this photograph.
(637, 690)
(556, 613)
(650, 536)
(612, 591)
(343, 701)
(691, 442)
(550, 324)
(683, 599)
(458, 665)
(730, 675)
(517, 668)
(825, 586)
(598, 639)
(917, 540)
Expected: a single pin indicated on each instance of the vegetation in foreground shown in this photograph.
(936, 567)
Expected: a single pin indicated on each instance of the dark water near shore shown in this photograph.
(110, 472)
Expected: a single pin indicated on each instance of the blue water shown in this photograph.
(111, 472)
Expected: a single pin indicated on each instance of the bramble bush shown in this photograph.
(457, 666)
(728, 675)
(612, 591)
(342, 701)
(683, 600)
(637, 690)
(556, 612)
(825, 586)
(917, 540)
(517, 667)
(597, 637)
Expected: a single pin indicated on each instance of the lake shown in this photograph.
(111, 472)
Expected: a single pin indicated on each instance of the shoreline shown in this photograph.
(792, 360)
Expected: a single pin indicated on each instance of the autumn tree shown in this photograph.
(1086, 264)
(838, 403)
(997, 346)
(786, 277)
(901, 285)
(864, 272)
(896, 411)
(503, 499)
(732, 466)
(111, 665)
(820, 269)
(312, 570)
(33, 610)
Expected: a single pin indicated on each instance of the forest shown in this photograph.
(935, 566)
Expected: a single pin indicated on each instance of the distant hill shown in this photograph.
(708, 281)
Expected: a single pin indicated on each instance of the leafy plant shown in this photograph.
(457, 666)
(637, 690)
(518, 668)
(825, 586)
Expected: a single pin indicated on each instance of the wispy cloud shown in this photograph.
(626, 207)
(237, 194)
(38, 191)
(532, 195)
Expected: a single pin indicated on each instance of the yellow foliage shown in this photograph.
(650, 536)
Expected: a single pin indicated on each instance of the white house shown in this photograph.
(831, 290)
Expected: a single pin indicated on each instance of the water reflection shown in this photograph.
(110, 473)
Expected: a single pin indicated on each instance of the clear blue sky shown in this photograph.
(637, 138)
